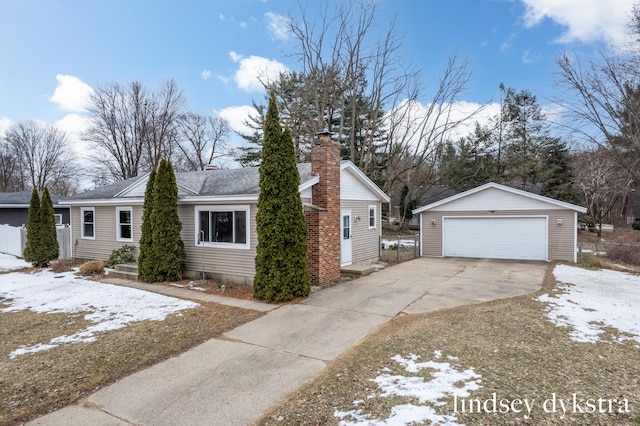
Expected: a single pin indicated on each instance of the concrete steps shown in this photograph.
(127, 271)
(359, 270)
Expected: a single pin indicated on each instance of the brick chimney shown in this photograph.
(324, 225)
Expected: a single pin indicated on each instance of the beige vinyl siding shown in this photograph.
(105, 240)
(226, 264)
(560, 238)
(365, 242)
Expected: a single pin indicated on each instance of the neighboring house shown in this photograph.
(218, 210)
(497, 221)
(14, 208)
(424, 197)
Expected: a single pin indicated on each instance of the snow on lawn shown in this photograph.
(445, 382)
(108, 307)
(9, 263)
(590, 301)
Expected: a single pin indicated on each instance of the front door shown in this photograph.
(345, 238)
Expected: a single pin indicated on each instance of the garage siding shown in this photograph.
(559, 239)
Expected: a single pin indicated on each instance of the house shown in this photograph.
(501, 222)
(14, 208)
(218, 211)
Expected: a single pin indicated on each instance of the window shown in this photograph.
(223, 226)
(88, 230)
(124, 223)
(372, 217)
(58, 218)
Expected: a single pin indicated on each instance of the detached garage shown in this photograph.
(498, 222)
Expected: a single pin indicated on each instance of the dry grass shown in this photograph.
(92, 268)
(510, 343)
(34, 384)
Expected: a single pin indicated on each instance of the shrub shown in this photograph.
(636, 225)
(167, 248)
(121, 255)
(49, 235)
(34, 229)
(60, 266)
(623, 247)
(281, 254)
(95, 267)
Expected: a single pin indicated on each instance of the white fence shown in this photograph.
(14, 238)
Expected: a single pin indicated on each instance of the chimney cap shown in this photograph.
(325, 134)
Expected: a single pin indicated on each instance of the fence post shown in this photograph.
(580, 253)
(398, 249)
(415, 245)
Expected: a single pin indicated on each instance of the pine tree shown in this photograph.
(49, 249)
(557, 174)
(34, 229)
(145, 265)
(167, 249)
(281, 255)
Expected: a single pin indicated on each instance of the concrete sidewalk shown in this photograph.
(234, 379)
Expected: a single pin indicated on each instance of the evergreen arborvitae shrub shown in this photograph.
(281, 254)
(146, 270)
(49, 249)
(34, 229)
(167, 249)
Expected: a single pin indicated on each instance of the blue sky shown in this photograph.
(55, 51)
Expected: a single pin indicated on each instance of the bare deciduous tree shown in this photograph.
(602, 183)
(42, 154)
(10, 179)
(201, 139)
(133, 128)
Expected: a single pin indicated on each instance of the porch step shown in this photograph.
(356, 270)
(127, 271)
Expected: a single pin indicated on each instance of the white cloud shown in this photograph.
(255, 71)
(71, 93)
(74, 125)
(410, 116)
(236, 115)
(529, 58)
(278, 26)
(206, 74)
(585, 20)
(5, 123)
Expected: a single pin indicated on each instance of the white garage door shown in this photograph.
(495, 237)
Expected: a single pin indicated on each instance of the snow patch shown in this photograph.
(11, 263)
(107, 306)
(590, 301)
(445, 382)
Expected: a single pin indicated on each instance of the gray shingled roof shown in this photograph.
(22, 198)
(105, 192)
(211, 183)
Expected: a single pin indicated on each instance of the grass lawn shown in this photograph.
(518, 353)
(33, 384)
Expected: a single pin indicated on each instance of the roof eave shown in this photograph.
(472, 191)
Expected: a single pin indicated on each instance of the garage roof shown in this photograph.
(553, 203)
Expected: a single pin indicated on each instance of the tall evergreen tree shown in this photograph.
(557, 175)
(34, 229)
(145, 264)
(168, 252)
(281, 255)
(49, 234)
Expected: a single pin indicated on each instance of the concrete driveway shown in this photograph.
(233, 380)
